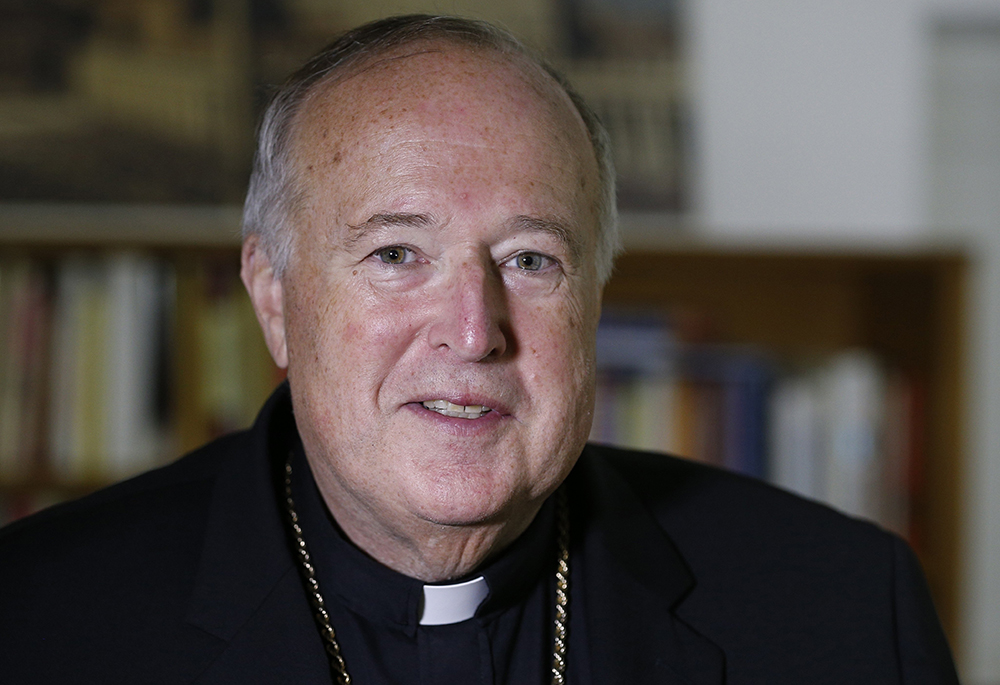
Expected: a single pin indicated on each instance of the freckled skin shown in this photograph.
(472, 142)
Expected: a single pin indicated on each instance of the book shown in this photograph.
(107, 322)
(847, 431)
(853, 399)
(794, 435)
(74, 347)
(133, 431)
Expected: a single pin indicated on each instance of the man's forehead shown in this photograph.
(370, 139)
(441, 79)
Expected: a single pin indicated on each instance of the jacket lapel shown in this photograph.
(247, 591)
(633, 578)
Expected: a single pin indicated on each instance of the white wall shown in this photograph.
(856, 121)
(808, 117)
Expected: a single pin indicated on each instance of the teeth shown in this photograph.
(471, 411)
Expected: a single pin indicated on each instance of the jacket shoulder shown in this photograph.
(105, 545)
(780, 579)
(96, 582)
(190, 472)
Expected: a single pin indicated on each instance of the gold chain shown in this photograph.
(560, 641)
(337, 666)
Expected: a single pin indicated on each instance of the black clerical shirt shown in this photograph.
(375, 611)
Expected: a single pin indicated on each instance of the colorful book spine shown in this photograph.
(24, 316)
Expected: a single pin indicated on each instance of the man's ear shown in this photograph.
(266, 295)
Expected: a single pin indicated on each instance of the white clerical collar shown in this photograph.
(445, 604)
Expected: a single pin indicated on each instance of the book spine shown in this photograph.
(135, 308)
(794, 426)
(854, 391)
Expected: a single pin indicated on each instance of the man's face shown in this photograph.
(441, 303)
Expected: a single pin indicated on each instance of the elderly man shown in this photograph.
(428, 229)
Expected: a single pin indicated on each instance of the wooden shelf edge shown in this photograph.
(100, 225)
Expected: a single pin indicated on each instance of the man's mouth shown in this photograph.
(458, 411)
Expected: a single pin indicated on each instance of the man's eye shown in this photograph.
(394, 254)
(531, 261)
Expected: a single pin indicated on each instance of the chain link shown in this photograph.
(561, 624)
(337, 666)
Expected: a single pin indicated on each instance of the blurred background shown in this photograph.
(811, 205)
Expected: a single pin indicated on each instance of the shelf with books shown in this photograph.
(767, 325)
(873, 341)
(113, 361)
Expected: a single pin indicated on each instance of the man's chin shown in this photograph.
(465, 506)
(462, 513)
(490, 493)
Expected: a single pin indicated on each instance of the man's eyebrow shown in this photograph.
(553, 227)
(387, 220)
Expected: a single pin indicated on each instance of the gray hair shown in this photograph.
(274, 193)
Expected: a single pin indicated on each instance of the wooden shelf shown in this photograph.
(62, 226)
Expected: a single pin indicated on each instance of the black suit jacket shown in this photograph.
(685, 574)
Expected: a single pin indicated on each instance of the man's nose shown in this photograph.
(471, 316)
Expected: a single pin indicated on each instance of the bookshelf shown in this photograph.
(217, 370)
(906, 306)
